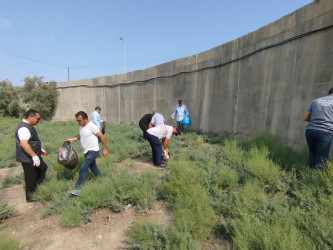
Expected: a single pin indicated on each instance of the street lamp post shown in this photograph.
(124, 53)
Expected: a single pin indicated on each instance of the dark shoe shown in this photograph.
(163, 165)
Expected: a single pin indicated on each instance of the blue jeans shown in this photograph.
(319, 144)
(89, 162)
(156, 148)
(180, 127)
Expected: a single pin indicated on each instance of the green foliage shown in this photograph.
(8, 241)
(250, 232)
(46, 191)
(278, 152)
(186, 194)
(262, 167)
(9, 181)
(40, 95)
(256, 194)
(71, 216)
(146, 235)
(9, 100)
(5, 211)
(227, 178)
(7, 133)
(59, 202)
(144, 193)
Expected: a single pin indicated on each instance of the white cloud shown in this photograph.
(5, 23)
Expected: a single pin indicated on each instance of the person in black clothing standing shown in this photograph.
(28, 152)
(144, 123)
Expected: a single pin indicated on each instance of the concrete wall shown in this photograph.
(262, 81)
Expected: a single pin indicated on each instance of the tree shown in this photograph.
(9, 100)
(40, 95)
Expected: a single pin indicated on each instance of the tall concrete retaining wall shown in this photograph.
(260, 82)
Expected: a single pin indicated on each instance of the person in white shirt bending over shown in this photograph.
(157, 134)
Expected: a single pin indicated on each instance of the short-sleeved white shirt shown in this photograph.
(24, 133)
(161, 131)
(88, 138)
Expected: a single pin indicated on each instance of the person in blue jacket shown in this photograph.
(180, 111)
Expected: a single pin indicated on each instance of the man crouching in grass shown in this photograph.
(154, 135)
(88, 136)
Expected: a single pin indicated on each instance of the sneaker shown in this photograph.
(75, 192)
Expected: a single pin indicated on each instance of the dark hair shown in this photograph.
(81, 113)
(31, 112)
(330, 91)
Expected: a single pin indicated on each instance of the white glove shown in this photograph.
(172, 116)
(166, 154)
(36, 160)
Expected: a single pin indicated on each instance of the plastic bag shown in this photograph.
(67, 156)
(186, 120)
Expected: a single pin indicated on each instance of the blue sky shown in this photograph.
(46, 37)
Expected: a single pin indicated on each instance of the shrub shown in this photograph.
(146, 235)
(46, 191)
(9, 181)
(59, 202)
(250, 232)
(261, 167)
(5, 211)
(71, 216)
(227, 178)
(144, 192)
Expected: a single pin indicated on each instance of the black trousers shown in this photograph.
(33, 176)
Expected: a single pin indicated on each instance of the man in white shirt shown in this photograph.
(154, 135)
(88, 135)
(29, 151)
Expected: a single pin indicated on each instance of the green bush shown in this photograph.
(5, 211)
(59, 202)
(250, 232)
(146, 235)
(71, 216)
(144, 192)
(9, 181)
(262, 167)
(46, 191)
(227, 178)
(9, 100)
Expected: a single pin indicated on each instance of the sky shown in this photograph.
(64, 40)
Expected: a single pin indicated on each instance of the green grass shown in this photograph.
(5, 211)
(8, 241)
(253, 194)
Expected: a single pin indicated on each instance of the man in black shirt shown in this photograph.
(144, 123)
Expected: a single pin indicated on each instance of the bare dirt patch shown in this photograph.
(106, 230)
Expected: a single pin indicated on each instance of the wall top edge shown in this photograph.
(303, 20)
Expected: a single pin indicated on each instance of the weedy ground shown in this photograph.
(219, 192)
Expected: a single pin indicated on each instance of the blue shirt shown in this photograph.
(157, 119)
(96, 118)
(321, 117)
(180, 112)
